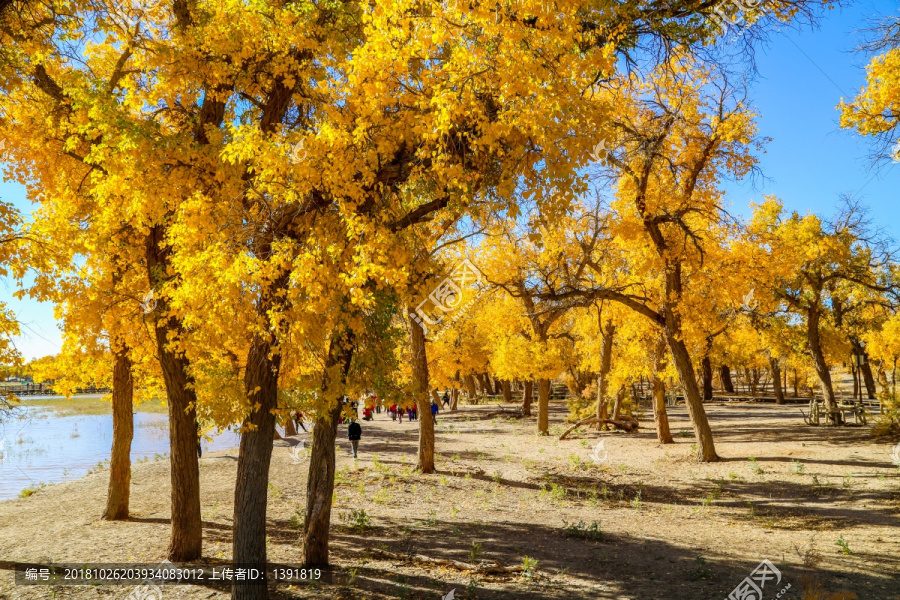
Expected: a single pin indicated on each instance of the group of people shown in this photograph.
(395, 412)
(373, 406)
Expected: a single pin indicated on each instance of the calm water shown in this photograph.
(39, 446)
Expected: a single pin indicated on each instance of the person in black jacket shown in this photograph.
(354, 432)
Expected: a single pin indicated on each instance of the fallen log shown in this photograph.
(625, 423)
(486, 568)
(515, 412)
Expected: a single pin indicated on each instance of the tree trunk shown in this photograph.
(725, 374)
(868, 379)
(818, 356)
(507, 391)
(320, 482)
(470, 387)
(289, 427)
(663, 434)
(527, 394)
(776, 380)
(493, 384)
(254, 458)
(608, 332)
(751, 384)
(707, 378)
(186, 543)
(482, 386)
(866, 368)
(420, 387)
(602, 413)
(454, 398)
(617, 406)
(119, 490)
(658, 388)
(544, 406)
(796, 385)
(706, 450)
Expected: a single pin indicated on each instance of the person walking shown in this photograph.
(445, 400)
(434, 410)
(354, 432)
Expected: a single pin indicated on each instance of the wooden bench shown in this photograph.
(836, 415)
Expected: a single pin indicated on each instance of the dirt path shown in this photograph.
(645, 523)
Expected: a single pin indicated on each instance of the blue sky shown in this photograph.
(808, 164)
(811, 160)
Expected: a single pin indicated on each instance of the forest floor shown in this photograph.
(646, 522)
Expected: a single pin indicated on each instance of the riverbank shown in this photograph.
(645, 522)
(88, 404)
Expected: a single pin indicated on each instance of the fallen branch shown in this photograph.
(515, 412)
(625, 423)
(485, 568)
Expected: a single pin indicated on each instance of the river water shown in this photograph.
(44, 446)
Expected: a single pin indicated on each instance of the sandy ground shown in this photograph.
(646, 522)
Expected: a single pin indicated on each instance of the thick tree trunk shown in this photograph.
(186, 543)
(320, 482)
(725, 374)
(454, 398)
(470, 387)
(818, 356)
(420, 387)
(869, 379)
(608, 332)
(776, 380)
(527, 394)
(289, 427)
(706, 367)
(544, 406)
(706, 450)
(866, 368)
(254, 458)
(507, 391)
(119, 490)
